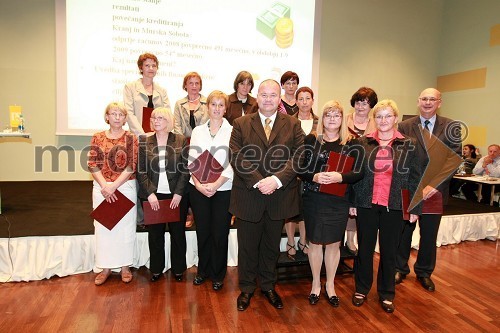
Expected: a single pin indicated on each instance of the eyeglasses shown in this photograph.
(116, 115)
(429, 99)
(160, 118)
(387, 116)
(333, 115)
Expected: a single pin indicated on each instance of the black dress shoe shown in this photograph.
(217, 286)
(198, 279)
(178, 277)
(334, 300)
(243, 301)
(387, 307)
(313, 299)
(273, 298)
(358, 299)
(155, 277)
(427, 283)
(399, 277)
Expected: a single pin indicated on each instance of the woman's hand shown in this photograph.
(327, 177)
(207, 190)
(108, 192)
(175, 201)
(353, 211)
(413, 218)
(153, 201)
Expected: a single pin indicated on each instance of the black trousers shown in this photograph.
(387, 223)
(258, 252)
(212, 231)
(156, 241)
(426, 258)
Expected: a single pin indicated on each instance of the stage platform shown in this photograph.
(46, 230)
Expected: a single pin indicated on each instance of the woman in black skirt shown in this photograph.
(325, 215)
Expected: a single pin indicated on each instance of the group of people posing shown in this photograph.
(274, 151)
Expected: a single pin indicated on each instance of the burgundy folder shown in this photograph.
(405, 202)
(146, 119)
(206, 168)
(163, 215)
(340, 163)
(433, 205)
(110, 213)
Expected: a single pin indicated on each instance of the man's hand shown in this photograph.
(267, 185)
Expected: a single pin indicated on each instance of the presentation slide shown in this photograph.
(98, 43)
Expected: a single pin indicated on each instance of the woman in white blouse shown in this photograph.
(210, 201)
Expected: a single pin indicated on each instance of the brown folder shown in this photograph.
(146, 119)
(206, 168)
(163, 215)
(340, 163)
(433, 205)
(405, 202)
(110, 213)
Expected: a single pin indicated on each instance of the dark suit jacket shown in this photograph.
(236, 106)
(148, 171)
(444, 161)
(253, 158)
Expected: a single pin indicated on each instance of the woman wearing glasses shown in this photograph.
(112, 160)
(162, 174)
(388, 164)
(325, 215)
(360, 122)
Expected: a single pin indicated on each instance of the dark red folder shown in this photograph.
(146, 119)
(405, 202)
(163, 215)
(340, 163)
(110, 213)
(206, 168)
(433, 205)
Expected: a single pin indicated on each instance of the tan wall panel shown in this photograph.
(472, 79)
(476, 135)
(495, 35)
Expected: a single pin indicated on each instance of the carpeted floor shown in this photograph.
(50, 208)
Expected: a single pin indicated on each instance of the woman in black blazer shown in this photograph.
(162, 174)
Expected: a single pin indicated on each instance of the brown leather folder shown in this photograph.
(433, 205)
(110, 213)
(163, 215)
(405, 201)
(146, 119)
(206, 168)
(340, 163)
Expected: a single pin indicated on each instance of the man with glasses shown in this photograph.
(266, 151)
(438, 149)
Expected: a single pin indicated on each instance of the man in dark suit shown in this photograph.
(439, 155)
(266, 149)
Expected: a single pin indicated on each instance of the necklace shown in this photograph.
(217, 131)
(193, 100)
(308, 117)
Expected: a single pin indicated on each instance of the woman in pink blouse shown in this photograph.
(112, 161)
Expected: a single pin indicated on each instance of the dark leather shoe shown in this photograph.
(217, 286)
(155, 277)
(198, 279)
(358, 299)
(427, 283)
(399, 277)
(313, 299)
(387, 307)
(243, 301)
(273, 298)
(334, 300)
(178, 277)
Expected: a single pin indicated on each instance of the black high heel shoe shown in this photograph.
(334, 300)
(313, 299)
(288, 248)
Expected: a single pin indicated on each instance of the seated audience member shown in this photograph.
(240, 102)
(488, 165)
(470, 159)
